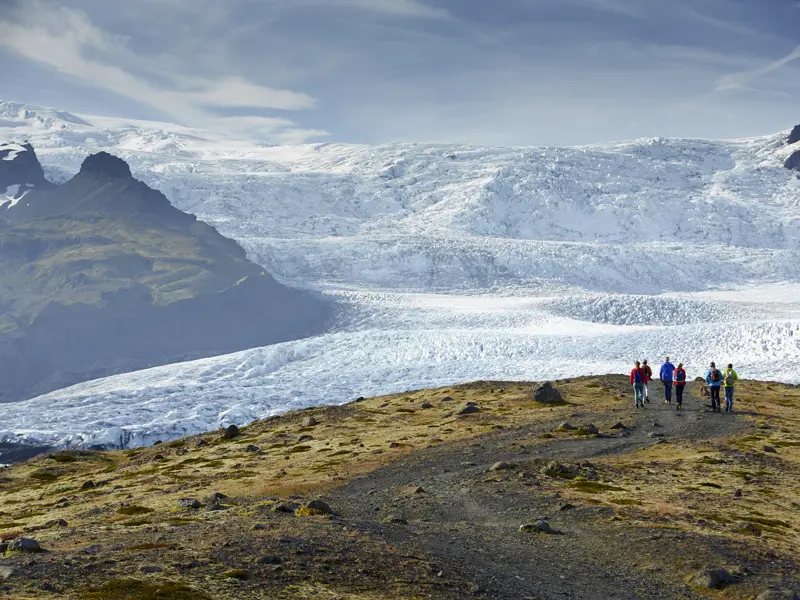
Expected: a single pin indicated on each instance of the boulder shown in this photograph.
(793, 162)
(215, 498)
(712, 579)
(230, 432)
(252, 448)
(770, 449)
(26, 545)
(150, 569)
(589, 429)
(618, 426)
(396, 520)
(501, 466)
(426, 405)
(309, 422)
(778, 594)
(305, 438)
(546, 394)
(794, 136)
(541, 526)
(188, 503)
(565, 426)
(316, 507)
(269, 559)
(469, 410)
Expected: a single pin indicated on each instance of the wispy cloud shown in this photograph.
(67, 41)
(737, 81)
(403, 8)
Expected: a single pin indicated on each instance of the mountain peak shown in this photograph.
(106, 165)
(794, 136)
(20, 167)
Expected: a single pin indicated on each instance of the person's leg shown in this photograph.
(714, 391)
(679, 395)
(728, 399)
(646, 393)
(636, 394)
(716, 398)
(668, 392)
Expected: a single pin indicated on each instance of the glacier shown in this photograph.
(449, 263)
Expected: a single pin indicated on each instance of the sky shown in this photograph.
(505, 72)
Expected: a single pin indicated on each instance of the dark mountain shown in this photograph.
(20, 171)
(793, 162)
(103, 275)
(794, 136)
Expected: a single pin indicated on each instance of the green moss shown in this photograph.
(12, 525)
(46, 475)
(711, 485)
(133, 509)
(62, 457)
(236, 574)
(147, 546)
(626, 502)
(136, 522)
(298, 449)
(134, 589)
(594, 487)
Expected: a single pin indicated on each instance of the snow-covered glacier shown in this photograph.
(450, 263)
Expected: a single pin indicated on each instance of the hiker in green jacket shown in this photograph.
(729, 379)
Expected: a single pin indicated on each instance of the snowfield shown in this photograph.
(450, 263)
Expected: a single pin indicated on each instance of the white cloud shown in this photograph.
(402, 8)
(738, 81)
(66, 41)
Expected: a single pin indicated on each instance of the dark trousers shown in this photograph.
(667, 390)
(714, 389)
(679, 394)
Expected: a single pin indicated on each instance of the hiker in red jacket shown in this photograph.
(679, 380)
(637, 381)
(648, 375)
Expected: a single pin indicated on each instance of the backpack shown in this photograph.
(716, 376)
(729, 379)
(680, 375)
(637, 376)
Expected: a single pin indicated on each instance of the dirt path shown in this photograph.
(469, 520)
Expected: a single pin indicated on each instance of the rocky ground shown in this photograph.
(474, 491)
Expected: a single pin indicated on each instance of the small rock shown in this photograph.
(589, 429)
(200, 443)
(259, 527)
(319, 507)
(214, 498)
(469, 410)
(150, 569)
(56, 523)
(252, 448)
(655, 434)
(189, 503)
(546, 394)
(446, 399)
(653, 568)
(394, 445)
(565, 506)
(712, 579)
(396, 519)
(770, 449)
(541, 526)
(305, 438)
(426, 405)
(778, 594)
(477, 588)
(157, 443)
(656, 424)
(309, 422)
(285, 507)
(87, 485)
(737, 494)
(618, 426)
(417, 489)
(158, 457)
(7, 572)
(471, 404)
(748, 528)
(230, 432)
(501, 466)
(26, 545)
(565, 426)
(269, 559)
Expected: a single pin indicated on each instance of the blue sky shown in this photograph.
(507, 72)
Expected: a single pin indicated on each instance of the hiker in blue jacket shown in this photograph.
(714, 381)
(665, 375)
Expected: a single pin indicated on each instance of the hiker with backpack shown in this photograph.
(665, 375)
(729, 379)
(648, 375)
(714, 381)
(679, 379)
(637, 381)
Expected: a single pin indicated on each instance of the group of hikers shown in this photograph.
(672, 376)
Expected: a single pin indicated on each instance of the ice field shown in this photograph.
(450, 263)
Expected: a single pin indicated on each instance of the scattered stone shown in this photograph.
(87, 485)
(541, 526)
(653, 568)
(157, 443)
(285, 507)
(502, 466)
(230, 432)
(310, 422)
(426, 405)
(188, 503)
(737, 494)
(712, 579)
(7, 572)
(259, 527)
(546, 394)
(200, 443)
(150, 569)
(477, 588)
(618, 426)
(770, 449)
(589, 429)
(565, 506)
(776, 594)
(394, 445)
(27, 545)
(253, 448)
(214, 498)
(269, 559)
(305, 438)
(655, 424)
(181, 452)
(655, 434)
(470, 409)
(565, 426)
(418, 489)
(556, 469)
(472, 404)
(447, 399)
(396, 519)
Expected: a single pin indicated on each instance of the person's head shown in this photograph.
(644, 362)
(730, 365)
(638, 364)
(712, 365)
(666, 359)
(680, 365)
